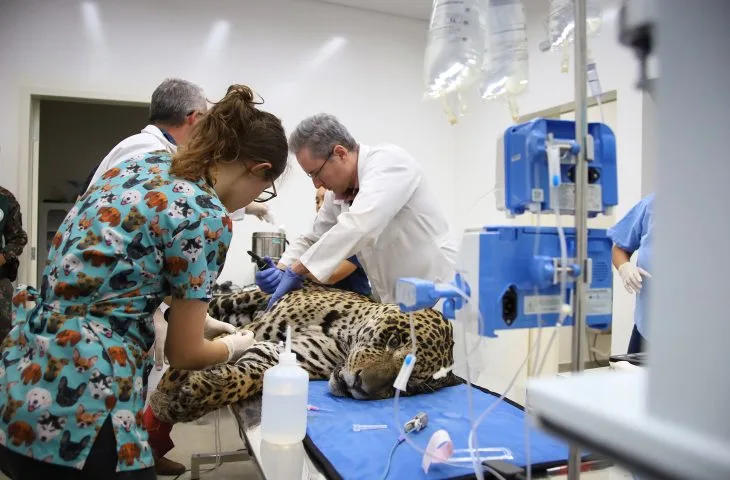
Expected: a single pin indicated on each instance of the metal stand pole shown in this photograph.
(581, 214)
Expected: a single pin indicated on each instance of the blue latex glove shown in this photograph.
(290, 281)
(267, 280)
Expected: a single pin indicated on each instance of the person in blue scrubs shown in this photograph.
(634, 233)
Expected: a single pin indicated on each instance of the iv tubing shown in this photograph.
(399, 425)
(561, 318)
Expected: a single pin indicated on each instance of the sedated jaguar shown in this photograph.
(357, 343)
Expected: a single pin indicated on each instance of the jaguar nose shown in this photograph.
(374, 381)
(355, 385)
(352, 380)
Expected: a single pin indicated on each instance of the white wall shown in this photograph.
(301, 56)
(476, 136)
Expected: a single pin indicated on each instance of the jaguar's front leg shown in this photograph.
(184, 396)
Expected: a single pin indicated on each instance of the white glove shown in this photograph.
(211, 329)
(160, 335)
(238, 215)
(214, 327)
(261, 211)
(237, 344)
(631, 276)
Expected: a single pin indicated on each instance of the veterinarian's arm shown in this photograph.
(344, 270)
(389, 179)
(185, 346)
(326, 219)
(190, 277)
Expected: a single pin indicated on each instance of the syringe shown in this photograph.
(356, 427)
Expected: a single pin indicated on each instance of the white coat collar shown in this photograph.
(157, 133)
(362, 156)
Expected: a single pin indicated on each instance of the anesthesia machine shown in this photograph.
(513, 273)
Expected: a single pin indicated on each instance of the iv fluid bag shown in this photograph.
(506, 66)
(561, 21)
(454, 51)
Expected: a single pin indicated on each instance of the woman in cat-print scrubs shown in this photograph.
(72, 368)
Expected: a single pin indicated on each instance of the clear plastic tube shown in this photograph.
(218, 442)
(538, 341)
(414, 339)
(478, 471)
(417, 448)
(414, 445)
(357, 427)
(563, 275)
(561, 318)
(402, 434)
(468, 352)
(454, 106)
(594, 83)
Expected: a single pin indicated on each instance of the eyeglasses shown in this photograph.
(266, 195)
(315, 175)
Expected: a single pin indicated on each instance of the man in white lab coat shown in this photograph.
(378, 207)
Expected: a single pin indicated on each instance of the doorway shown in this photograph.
(70, 137)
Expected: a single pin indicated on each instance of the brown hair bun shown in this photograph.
(244, 93)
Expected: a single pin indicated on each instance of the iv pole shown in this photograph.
(581, 214)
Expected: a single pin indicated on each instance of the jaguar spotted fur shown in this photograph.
(357, 344)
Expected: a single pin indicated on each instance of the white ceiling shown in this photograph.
(418, 9)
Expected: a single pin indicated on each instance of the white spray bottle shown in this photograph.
(284, 404)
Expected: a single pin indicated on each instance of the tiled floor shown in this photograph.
(200, 438)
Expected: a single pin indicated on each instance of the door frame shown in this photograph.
(29, 154)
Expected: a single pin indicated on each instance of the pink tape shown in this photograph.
(439, 449)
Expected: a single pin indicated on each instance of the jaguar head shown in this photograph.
(377, 350)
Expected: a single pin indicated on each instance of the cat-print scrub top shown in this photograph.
(77, 352)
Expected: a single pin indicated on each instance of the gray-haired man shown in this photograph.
(175, 108)
(379, 208)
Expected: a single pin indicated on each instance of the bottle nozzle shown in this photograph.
(286, 356)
